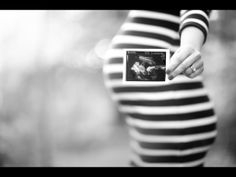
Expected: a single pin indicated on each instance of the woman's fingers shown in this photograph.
(177, 58)
(195, 56)
(197, 65)
(196, 73)
(182, 60)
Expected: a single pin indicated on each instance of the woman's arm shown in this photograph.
(193, 33)
(192, 37)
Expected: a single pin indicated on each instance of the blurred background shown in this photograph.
(54, 107)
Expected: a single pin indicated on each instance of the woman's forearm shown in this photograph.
(193, 37)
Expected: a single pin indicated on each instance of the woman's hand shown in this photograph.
(186, 60)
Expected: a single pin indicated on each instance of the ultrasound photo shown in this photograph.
(145, 65)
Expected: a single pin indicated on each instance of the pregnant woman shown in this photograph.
(171, 124)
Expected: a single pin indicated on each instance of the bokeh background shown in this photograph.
(54, 107)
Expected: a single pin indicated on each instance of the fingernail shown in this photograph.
(171, 77)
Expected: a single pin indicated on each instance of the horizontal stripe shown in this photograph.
(160, 95)
(165, 109)
(162, 88)
(166, 152)
(114, 83)
(175, 124)
(199, 17)
(171, 102)
(185, 14)
(185, 131)
(140, 163)
(140, 46)
(154, 22)
(174, 138)
(128, 39)
(173, 159)
(133, 164)
(177, 146)
(193, 20)
(173, 117)
(119, 82)
(154, 15)
(115, 60)
(150, 28)
(152, 36)
(117, 75)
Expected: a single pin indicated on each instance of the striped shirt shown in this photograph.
(171, 124)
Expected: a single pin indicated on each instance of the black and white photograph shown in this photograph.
(129, 88)
(145, 65)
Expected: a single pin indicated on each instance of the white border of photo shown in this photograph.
(143, 83)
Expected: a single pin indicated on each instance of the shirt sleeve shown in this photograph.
(197, 18)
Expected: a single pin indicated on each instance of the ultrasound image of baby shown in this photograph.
(145, 65)
(147, 69)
